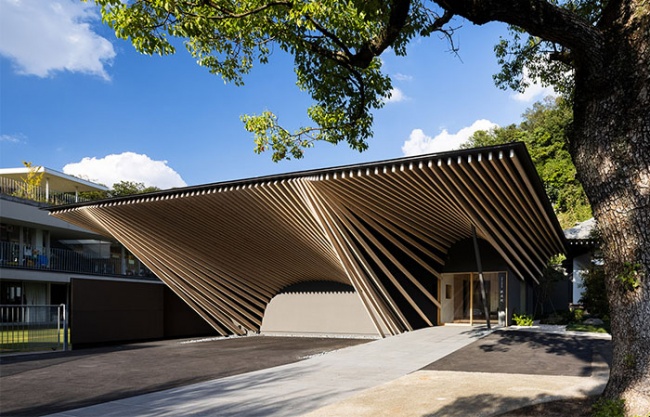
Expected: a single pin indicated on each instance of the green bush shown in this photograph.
(523, 319)
(608, 408)
(579, 327)
(578, 315)
(594, 296)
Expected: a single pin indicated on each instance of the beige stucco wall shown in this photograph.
(317, 313)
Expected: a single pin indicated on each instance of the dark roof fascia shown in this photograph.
(519, 148)
(576, 247)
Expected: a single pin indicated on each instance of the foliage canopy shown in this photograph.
(543, 130)
(124, 188)
(336, 47)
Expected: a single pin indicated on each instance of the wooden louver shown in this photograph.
(384, 228)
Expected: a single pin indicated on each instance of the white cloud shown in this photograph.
(396, 95)
(419, 143)
(42, 37)
(535, 91)
(16, 138)
(127, 166)
(403, 77)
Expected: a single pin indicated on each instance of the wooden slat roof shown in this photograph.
(228, 248)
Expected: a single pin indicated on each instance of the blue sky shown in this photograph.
(75, 99)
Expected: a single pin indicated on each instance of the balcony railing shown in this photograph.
(38, 194)
(13, 255)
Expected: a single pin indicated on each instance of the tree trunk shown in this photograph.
(610, 145)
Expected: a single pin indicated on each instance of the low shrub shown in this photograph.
(578, 315)
(523, 319)
(608, 408)
(579, 327)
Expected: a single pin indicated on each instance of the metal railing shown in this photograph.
(14, 255)
(38, 194)
(25, 328)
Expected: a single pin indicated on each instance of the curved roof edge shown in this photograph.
(518, 148)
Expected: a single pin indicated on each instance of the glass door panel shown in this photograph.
(463, 296)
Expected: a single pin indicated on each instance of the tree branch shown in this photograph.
(399, 11)
(229, 14)
(539, 18)
(343, 57)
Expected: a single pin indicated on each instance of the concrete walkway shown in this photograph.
(462, 394)
(297, 388)
(388, 377)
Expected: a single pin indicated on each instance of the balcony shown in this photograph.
(41, 196)
(14, 255)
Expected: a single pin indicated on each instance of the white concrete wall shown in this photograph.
(14, 212)
(580, 267)
(317, 313)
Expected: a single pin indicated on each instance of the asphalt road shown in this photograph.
(39, 384)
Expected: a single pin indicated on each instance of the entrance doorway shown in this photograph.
(462, 303)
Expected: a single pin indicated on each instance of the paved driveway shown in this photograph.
(441, 371)
(38, 384)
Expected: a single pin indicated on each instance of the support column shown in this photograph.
(47, 189)
(21, 246)
(123, 260)
(479, 267)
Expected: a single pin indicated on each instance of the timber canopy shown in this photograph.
(228, 248)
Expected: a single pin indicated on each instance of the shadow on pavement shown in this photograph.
(520, 352)
(497, 405)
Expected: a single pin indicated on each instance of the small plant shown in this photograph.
(594, 295)
(630, 276)
(579, 327)
(608, 408)
(578, 315)
(523, 319)
(29, 188)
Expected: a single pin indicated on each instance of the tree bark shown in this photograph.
(610, 146)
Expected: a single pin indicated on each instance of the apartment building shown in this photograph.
(45, 261)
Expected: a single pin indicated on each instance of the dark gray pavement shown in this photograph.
(40, 384)
(436, 371)
(531, 353)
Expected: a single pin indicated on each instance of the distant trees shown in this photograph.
(544, 131)
(124, 188)
(120, 189)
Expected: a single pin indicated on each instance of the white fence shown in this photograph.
(33, 328)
